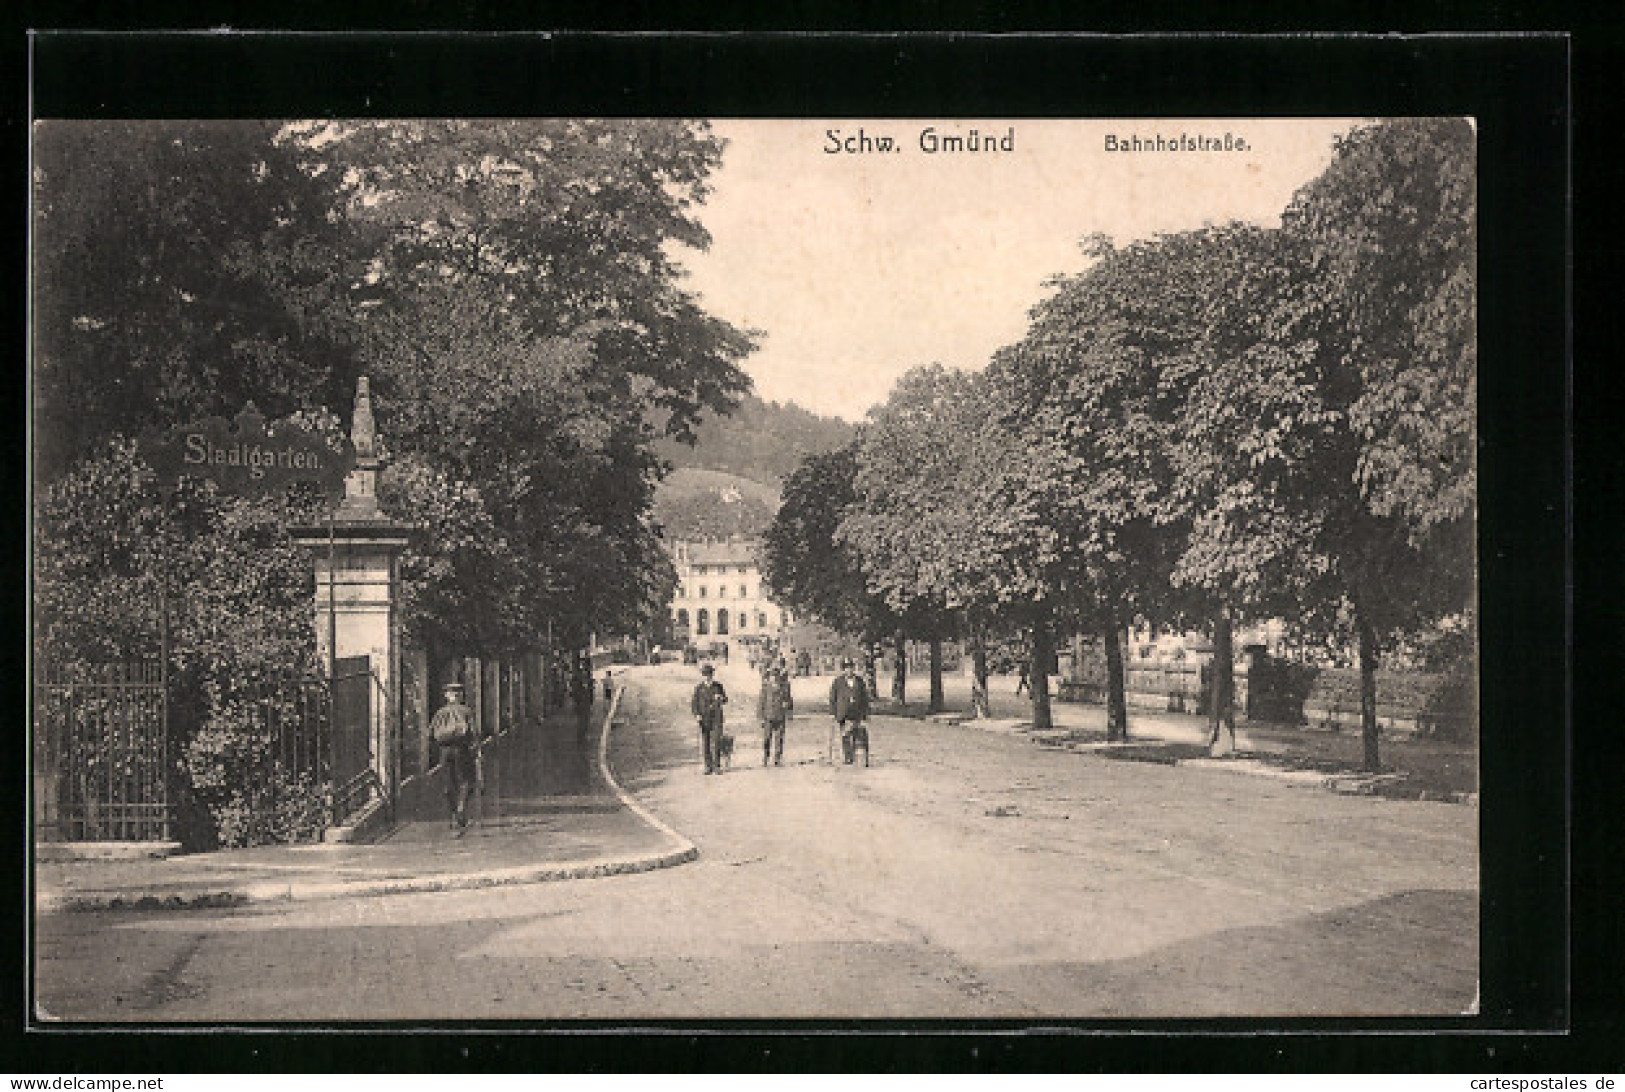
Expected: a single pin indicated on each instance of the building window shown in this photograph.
(722, 591)
(722, 623)
(743, 594)
(702, 622)
(702, 591)
(761, 619)
(784, 619)
(744, 620)
(682, 618)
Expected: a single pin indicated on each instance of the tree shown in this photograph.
(1248, 551)
(912, 514)
(529, 342)
(1088, 385)
(1381, 319)
(511, 287)
(568, 226)
(812, 571)
(179, 269)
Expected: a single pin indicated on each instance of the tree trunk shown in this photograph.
(1221, 711)
(1043, 653)
(899, 679)
(937, 703)
(1368, 691)
(1116, 681)
(978, 682)
(871, 666)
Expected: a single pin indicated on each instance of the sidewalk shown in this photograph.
(546, 813)
(1413, 769)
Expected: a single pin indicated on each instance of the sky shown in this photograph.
(855, 266)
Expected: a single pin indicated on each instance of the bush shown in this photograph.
(235, 769)
(286, 807)
(111, 549)
(1277, 689)
(1452, 708)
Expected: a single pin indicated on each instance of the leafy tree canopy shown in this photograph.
(180, 269)
(804, 563)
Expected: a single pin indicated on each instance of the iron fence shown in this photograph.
(102, 763)
(283, 772)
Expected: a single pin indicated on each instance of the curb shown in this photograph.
(681, 851)
(270, 892)
(57, 852)
(682, 844)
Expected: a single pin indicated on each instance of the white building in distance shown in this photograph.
(720, 597)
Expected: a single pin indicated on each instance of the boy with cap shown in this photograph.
(453, 730)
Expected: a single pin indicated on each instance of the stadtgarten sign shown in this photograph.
(244, 456)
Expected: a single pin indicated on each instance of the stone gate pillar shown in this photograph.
(357, 560)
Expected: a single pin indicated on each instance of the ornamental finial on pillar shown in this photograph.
(360, 487)
(362, 433)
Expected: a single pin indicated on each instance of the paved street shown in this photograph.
(966, 874)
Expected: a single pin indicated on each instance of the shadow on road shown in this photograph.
(1413, 953)
(1409, 954)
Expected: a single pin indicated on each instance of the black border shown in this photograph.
(1517, 88)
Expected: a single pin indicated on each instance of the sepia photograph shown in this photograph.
(589, 570)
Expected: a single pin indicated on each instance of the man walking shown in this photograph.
(709, 698)
(773, 707)
(581, 697)
(849, 705)
(452, 729)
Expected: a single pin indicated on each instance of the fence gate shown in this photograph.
(354, 778)
(101, 753)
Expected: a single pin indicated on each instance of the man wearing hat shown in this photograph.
(452, 729)
(773, 706)
(849, 705)
(709, 698)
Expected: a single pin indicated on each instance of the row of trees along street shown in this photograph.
(1203, 430)
(509, 287)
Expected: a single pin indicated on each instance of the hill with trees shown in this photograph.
(727, 482)
(693, 503)
(759, 441)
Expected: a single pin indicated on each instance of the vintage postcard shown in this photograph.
(587, 570)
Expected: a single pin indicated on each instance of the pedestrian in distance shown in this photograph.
(609, 685)
(1022, 681)
(849, 705)
(774, 706)
(581, 697)
(452, 729)
(709, 698)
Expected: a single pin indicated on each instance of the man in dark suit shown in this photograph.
(849, 705)
(709, 698)
(774, 704)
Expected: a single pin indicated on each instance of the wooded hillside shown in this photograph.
(761, 441)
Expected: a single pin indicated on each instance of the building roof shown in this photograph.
(729, 552)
